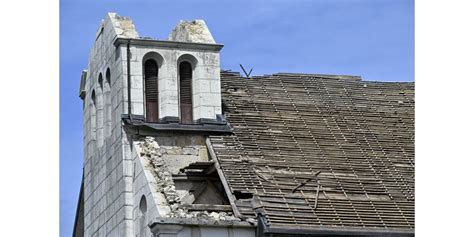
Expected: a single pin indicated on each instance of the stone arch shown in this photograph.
(108, 103)
(92, 119)
(188, 58)
(143, 205)
(107, 76)
(100, 111)
(142, 217)
(155, 56)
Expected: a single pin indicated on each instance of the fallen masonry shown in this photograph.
(154, 153)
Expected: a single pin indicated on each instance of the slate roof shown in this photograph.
(317, 151)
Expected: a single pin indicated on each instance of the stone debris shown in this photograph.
(176, 150)
(205, 216)
(252, 221)
(152, 151)
(191, 151)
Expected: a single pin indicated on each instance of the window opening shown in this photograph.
(185, 92)
(151, 90)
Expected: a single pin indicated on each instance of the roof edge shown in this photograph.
(295, 74)
(157, 221)
(341, 231)
(332, 76)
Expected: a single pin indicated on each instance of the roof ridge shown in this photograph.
(332, 76)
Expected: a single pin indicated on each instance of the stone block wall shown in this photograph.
(112, 188)
(145, 186)
(108, 200)
(205, 85)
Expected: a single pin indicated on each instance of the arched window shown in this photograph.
(151, 90)
(143, 207)
(185, 92)
(108, 104)
(92, 115)
(142, 217)
(100, 112)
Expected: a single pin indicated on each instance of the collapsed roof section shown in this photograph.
(317, 152)
(185, 184)
(321, 154)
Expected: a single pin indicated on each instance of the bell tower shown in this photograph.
(136, 87)
(175, 80)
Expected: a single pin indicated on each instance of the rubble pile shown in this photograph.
(204, 215)
(151, 150)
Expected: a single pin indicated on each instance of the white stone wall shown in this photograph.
(144, 184)
(205, 86)
(201, 231)
(111, 191)
(108, 199)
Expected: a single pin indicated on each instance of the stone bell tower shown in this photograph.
(136, 87)
(175, 80)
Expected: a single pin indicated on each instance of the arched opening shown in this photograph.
(186, 92)
(143, 207)
(92, 112)
(108, 104)
(100, 112)
(151, 90)
(142, 217)
(107, 76)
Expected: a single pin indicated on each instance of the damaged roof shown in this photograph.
(320, 151)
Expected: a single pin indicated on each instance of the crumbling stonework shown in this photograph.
(123, 26)
(116, 179)
(192, 31)
(152, 151)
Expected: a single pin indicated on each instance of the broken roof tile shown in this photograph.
(288, 127)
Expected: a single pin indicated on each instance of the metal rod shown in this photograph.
(129, 82)
(246, 74)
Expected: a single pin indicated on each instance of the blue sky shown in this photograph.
(370, 38)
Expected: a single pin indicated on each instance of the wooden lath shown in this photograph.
(358, 134)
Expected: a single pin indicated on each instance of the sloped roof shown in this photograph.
(320, 151)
